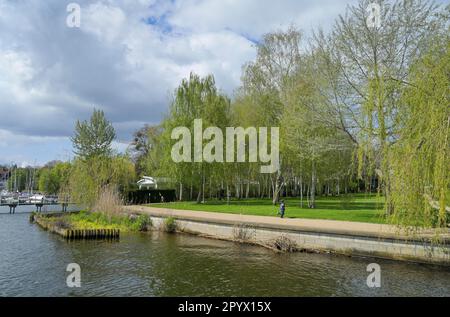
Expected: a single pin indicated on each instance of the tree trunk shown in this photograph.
(203, 188)
(301, 192)
(199, 196)
(247, 193)
(277, 189)
(259, 188)
(312, 203)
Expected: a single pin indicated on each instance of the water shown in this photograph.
(33, 263)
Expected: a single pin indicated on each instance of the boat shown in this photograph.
(37, 199)
(24, 198)
(51, 199)
(11, 200)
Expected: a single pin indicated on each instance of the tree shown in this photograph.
(93, 138)
(23, 179)
(95, 167)
(53, 178)
(195, 98)
(89, 178)
(144, 149)
(371, 65)
(421, 156)
(266, 81)
(316, 147)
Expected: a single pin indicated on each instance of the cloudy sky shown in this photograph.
(126, 58)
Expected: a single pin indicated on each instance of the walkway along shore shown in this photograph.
(341, 237)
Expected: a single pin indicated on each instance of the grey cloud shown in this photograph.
(54, 75)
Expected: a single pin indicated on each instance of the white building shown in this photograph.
(147, 182)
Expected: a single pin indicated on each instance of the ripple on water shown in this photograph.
(157, 264)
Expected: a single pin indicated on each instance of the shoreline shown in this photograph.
(73, 234)
(324, 236)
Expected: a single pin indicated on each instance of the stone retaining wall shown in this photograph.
(398, 249)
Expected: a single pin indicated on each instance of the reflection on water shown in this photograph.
(33, 263)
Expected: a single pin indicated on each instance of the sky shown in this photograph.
(126, 58)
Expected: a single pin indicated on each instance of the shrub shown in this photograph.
(242, 232)
(170, 225)
(285, 244)
(141, 223)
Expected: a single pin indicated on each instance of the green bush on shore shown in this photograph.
(170, 225)
(99, 220)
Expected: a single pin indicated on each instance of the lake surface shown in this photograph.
(33, 263)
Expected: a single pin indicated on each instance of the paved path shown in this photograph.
(305, 225)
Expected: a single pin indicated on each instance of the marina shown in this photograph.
(15, 200)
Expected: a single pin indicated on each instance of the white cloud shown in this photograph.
(253, 17)
(127, 58)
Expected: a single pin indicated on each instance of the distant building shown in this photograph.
(148, 182)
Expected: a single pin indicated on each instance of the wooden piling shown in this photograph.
(92, 234)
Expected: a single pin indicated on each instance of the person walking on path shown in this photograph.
(282, 209)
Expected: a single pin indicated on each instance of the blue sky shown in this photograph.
(126, 58)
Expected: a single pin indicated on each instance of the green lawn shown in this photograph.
(358, 208)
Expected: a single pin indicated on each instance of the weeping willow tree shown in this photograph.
(372, 66)
(88, 179)
(377, 134)
(421, 157)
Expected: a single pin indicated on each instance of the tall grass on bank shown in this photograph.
(109, 202)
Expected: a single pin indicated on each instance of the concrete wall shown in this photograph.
(321, 242)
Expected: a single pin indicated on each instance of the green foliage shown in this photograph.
(146, 150)
(421, 157)
(93, 138)
(170, 225)
(23, 179)
(95, 167)
(53, 179)
(143, 223)
(99, 220)
(195, 98)
(88, 178)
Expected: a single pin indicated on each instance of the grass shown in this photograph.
(170, 225)
(98, 220)
(356, 208)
